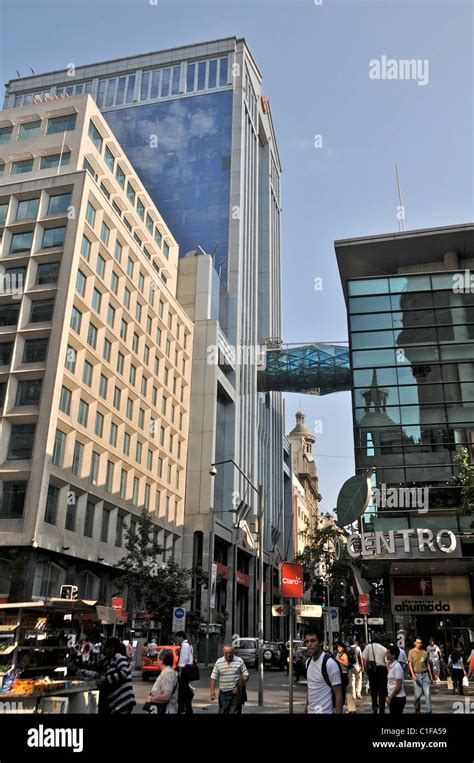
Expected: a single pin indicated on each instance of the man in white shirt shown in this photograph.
(397, 697)
(373, 658)
(186, 659)
(324, 678)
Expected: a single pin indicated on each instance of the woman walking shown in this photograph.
(116, 689)
(164, 694)
(397, 697)
(342, 658)
(456, 666)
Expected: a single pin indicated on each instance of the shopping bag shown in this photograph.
(465, 682)
(450, 684)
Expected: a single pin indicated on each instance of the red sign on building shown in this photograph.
(117, 604)
(363, 603)
(291, 580)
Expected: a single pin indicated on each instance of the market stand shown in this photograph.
(38, 670)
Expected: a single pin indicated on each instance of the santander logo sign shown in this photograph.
(291, 580)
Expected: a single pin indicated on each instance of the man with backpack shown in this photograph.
(325, 689)
(354, 653)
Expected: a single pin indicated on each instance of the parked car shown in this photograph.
(274, 655)
(150, 667)
(247, 649)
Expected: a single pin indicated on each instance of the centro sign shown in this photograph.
(291, 580)
(392, 542)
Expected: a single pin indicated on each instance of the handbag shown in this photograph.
(449, 683)
(155, 708)
(192, 671)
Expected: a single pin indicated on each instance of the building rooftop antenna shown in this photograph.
(400, 208)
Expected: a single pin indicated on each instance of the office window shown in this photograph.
(28, 392)
(129, 413)
(59, 204)
(81, 279)
(109, 158)
(138, 312)
(141, 419)
(48, 272)
(96, 300)
(157, 501)
(41, 311)
(149, 324)
(89, 519)
(90, 214)
(105, 191)
(179, 450)
(6, 134)
(71, 513)
(3, 212)
(158, 337)
(21, 242)
(123, 484)
(100, 267)
(162, 436)
(149, 460)
(77, 458)
(140, 210)
(144, 386)
(64, 123)
(133, 375)
(51, 508)
(65, 401)
(117, 209)
(160, 467)
(146, 501)
(104, 528)
(92, 336)
(58, 448)
(53, 237)
(99, 424)
(87, 373)
(131, 193)
(135, 341)
(70, 360)
(123, 329)
(95, 136)
(18, 168)
(126, 444)
(12, 499)
(149, 223)
(161, 307)
(103, 386)
(138, 453)
(136, 487)
(21, 442)
(86, 248)
(9, 314)
(170, 320)
(158, 237)
(6, 349)
(168, 347)
(130, 265)
(114, 282)
(163, 405)
(104, 234)
(119, 530)
(120, 175)
(27, 209)
(118, 251)
(109, 476)
(169, 473)
(154, 395)
(166, 250)
(111, 316)
(173, 409)
(50, 161)
(2, 167)
(83, 413)
(107, 350)
(127, 224)
(126, 298)
(117, 397)
(113, 435)
(94, 470)
(120, 362)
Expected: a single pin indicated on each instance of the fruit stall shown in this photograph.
(39, 667)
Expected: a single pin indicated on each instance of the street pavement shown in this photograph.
(276, 688)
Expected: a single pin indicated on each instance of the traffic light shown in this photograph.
(68, 592)
(319, 594)
(341, 593)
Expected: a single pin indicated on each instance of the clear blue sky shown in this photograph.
(315, 62)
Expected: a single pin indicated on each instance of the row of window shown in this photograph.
(35, 351)
(47, 162)
(28, 130)
(410, 301)
(27, 209)
(26, 99)
(41, 311)
(403, 285)
(416, 374)
(52, 237)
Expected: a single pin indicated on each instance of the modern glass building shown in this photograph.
(197, 128)
(410, 310)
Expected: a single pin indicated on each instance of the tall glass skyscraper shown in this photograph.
(197, 128)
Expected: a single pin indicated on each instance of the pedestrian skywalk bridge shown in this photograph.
(313, 369)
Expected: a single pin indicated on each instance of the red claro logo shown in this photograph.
(291, 576)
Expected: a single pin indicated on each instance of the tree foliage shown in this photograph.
(465, 479)
(320, 549)
(153, 587)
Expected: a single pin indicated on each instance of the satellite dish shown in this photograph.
(353, 498)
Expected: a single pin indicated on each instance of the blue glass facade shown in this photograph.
(187, 174)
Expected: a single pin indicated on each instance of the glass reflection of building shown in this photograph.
(413, 366)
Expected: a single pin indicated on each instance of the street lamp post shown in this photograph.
(261, 598)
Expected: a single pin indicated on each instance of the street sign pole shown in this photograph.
(290, 657)
(366, 630)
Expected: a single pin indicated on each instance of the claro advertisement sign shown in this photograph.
(291, 580)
